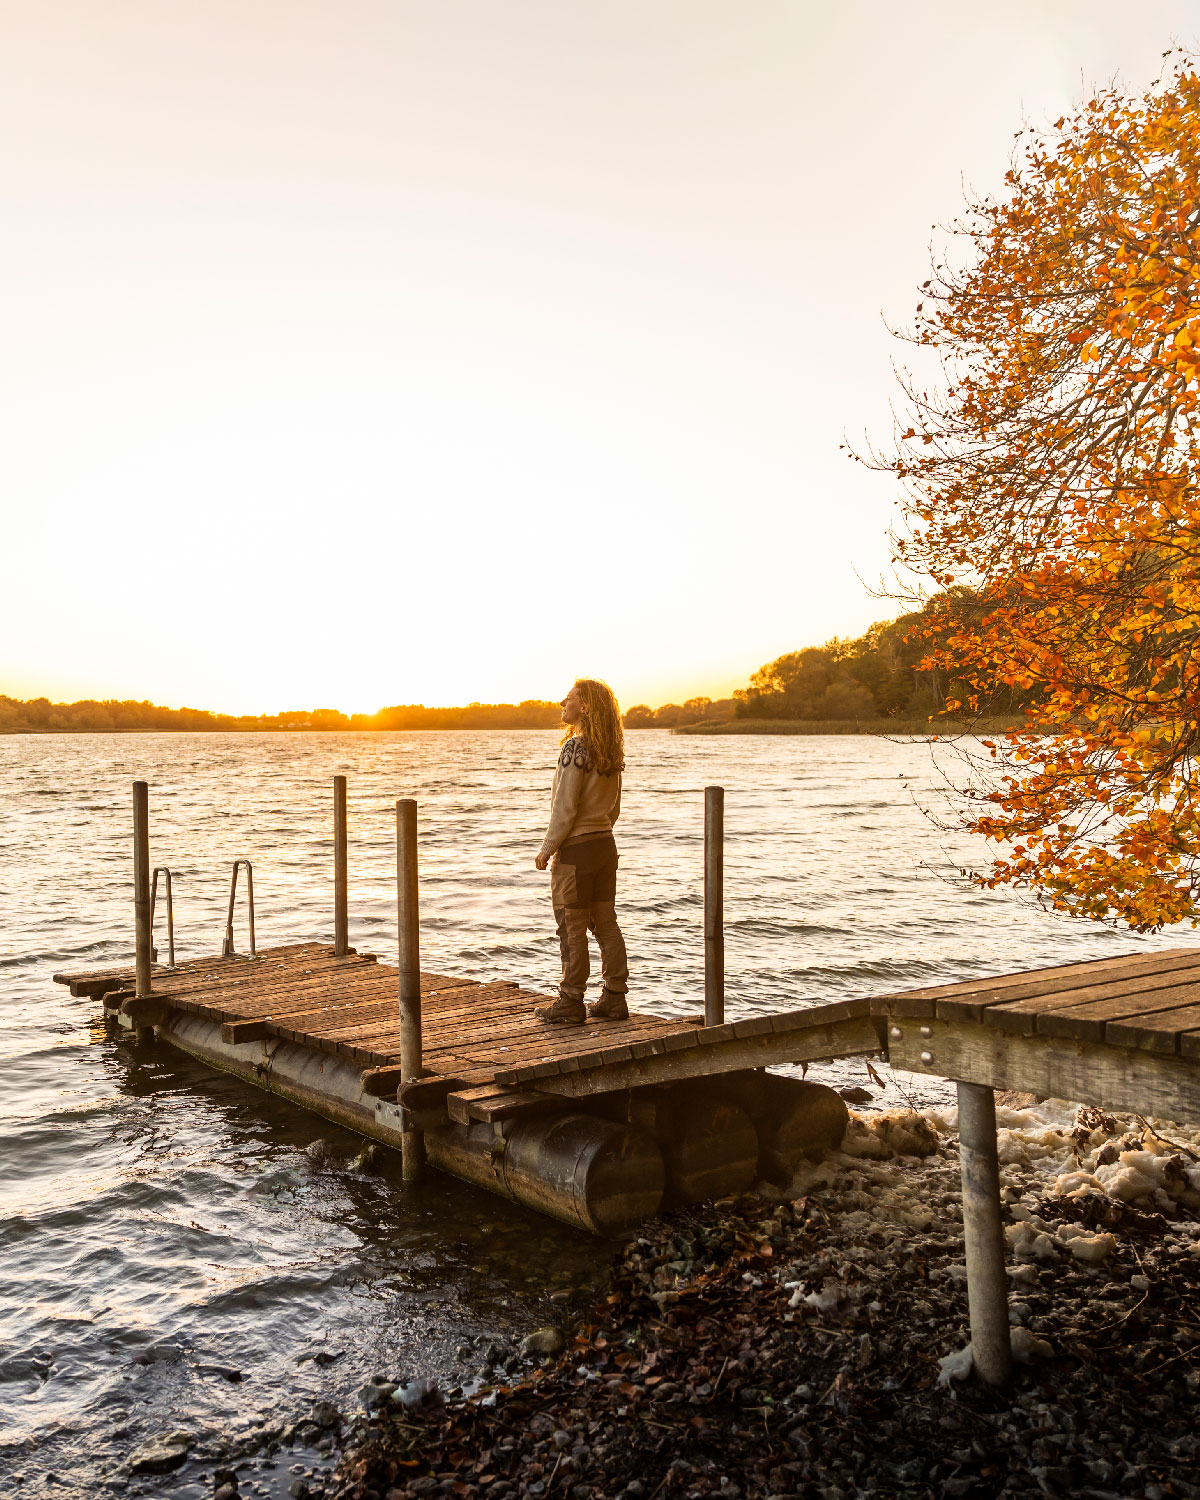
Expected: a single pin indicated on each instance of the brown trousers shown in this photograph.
(583, 889)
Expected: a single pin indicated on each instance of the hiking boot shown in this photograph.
(571, 1011)
(609, 1007)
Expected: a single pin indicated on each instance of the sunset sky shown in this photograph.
(381, 352)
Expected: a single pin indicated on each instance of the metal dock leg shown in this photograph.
(987, 1284)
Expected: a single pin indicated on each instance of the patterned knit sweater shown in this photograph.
(581, 800)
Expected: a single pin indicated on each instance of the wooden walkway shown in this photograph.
(1122, 1033)
(484, 1036)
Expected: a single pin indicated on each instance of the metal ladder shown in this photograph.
(162, 870)
(227, 948)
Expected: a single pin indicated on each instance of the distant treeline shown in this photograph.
(40, 716)
(874, 677)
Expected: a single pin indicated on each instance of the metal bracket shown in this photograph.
(227, 948)
(390, 1115)
(162, 870)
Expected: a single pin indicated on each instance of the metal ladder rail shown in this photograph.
(227, 948)
(162, 870)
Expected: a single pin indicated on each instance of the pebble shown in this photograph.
(542, 1341)
(161, 1454)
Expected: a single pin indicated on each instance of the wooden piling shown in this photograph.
(413, 1146)
(714, 905)
(983, 1232)
(341, 941)
(141, 888)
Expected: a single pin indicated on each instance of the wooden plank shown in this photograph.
(1092, 970)
(538, 1048)
(279, 950)
(1156, 1031)
(424, 1100)
(388, 995)
(754, 1026)
(362, 1016)
(1060, 1067)
(976, 995)
(244, 1031)
(530, 1033)
(376, 980)
(381, 1083)
(124, 972)
(222, 968)
(852, 1038)
(328, 979)
(488, 1103)
(420, 1093)
(383, 1030)
(1023, 1015)
(217, 1006)
(232, 974)
(240, 1002)
(144, 1010)
(331, 985)
(1094, 1022)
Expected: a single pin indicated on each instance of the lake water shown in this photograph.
(164, 1229)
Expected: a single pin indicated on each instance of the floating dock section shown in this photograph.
(598, 1125)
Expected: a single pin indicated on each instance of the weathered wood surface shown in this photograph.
(1144, 1001)
(1124, 1032)
(484, 1036)
(1125, 1078)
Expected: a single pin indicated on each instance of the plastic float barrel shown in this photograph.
(799, 1119)
(711, 1153)
(709, 1145)
(327, 1085)
(592, 1173)
(708, 1141)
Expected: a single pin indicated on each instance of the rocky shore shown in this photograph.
(814, 1343)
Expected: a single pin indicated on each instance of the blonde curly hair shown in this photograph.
(600, 726)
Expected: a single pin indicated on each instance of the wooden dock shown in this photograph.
(483, 1036)
(499, 1099)
(598, 1124)
(604, 1123)
(1121, 1033)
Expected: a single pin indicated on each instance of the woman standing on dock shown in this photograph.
(585, 802)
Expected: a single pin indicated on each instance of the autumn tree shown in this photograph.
(1053, 467)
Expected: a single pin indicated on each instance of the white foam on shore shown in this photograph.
(897, 1170)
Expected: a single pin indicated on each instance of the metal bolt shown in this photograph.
(927, 1058)
(926, 1030)
(896, 1033)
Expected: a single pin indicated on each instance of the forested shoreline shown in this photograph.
(870, 683)
(89, 716)
(874, 682)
